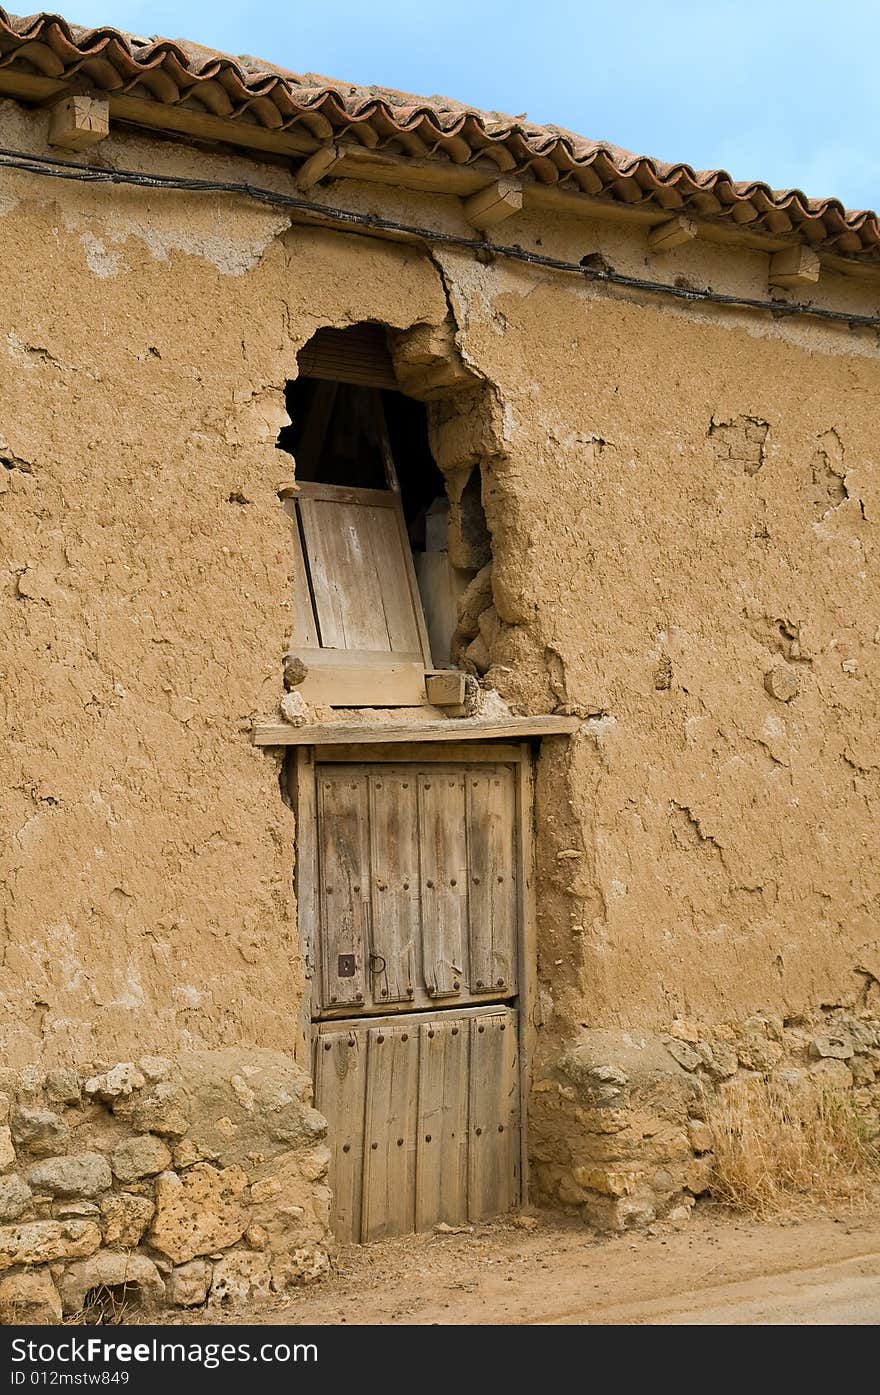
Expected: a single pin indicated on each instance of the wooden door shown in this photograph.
(424, 1119)
(412, 876)
(418, 883)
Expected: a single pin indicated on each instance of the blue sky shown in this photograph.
(777, 91)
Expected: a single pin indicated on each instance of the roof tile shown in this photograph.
(181, 72)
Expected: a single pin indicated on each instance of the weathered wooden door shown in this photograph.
(412, 887)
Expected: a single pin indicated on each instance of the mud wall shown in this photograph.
(686, 555)
(146, 593)
(684, 509)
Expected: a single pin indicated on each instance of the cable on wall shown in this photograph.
(342, 217)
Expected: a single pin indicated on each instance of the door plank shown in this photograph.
(492, 882)
(344, 872)
(493, 1135)
(389, 1134)
(396, 919)
(443, 858)
(442, 1132)
(340, 1095)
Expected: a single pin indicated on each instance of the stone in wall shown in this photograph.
(618, 1125)
(150, 1183)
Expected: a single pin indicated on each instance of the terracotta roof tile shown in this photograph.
(178, 72)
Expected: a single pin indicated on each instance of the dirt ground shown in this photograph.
(715, 1269)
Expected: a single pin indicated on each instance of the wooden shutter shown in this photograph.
(358, 622)
(358, 354)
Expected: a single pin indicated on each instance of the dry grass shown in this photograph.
(784, 1148)
(105, 1306)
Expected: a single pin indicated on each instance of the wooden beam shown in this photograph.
(449, 729)
(317, 167)
(494, 203)
(445, 688)
(794, 266)
(672, 233)
(78, 122)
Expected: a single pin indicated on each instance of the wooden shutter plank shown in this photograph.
(441, 1155)
(493, 1135)
(396, 920)
(492, 883)
(340, 1095)
(344, 870)
(389, 1149)
(443, 859)
(390, 555)
(305, 630)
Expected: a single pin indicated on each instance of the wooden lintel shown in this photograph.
(794, 266)
(77, 122)
(317, 167)
(445, 688)
(373, 733)
(672, 233)
(494, 203)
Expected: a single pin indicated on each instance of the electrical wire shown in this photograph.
(342, 217)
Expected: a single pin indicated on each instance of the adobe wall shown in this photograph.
(684, 509)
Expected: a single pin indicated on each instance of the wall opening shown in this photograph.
(350, 429)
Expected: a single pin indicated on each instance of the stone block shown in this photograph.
(41, 1242)
(832, 1073)
(699, 1135)
(125, 1218)
(163, 1110)
(29, 1299)
(698, 1174)
(135, 1277)
(119, 1082)
(77, 1174)
(188, 1284)
(39, 1131)
(7, 1149)
(155, 1068)
(14, 1196)
(862, 1068)
(63, 1086)
(142, 1156)
(828, 1047)
(241, 1278)
(200, 1212)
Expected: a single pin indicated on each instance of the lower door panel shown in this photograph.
(424, 1118)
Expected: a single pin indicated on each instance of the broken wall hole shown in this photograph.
(109, 1305)
(393, 563)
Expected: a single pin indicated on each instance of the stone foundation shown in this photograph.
(156, 1183)
(618, 1119)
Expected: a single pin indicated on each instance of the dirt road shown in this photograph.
(713, 1270)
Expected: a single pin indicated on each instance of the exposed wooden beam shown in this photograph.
(495, 203)
(408, 172)
(317, 167)
(672, 233)
(794, 266)
(77, 122)
(449, 729)
(445, 688)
